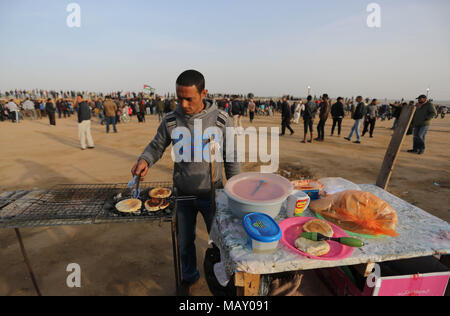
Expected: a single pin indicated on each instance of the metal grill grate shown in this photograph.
(9, 197)
(110, 215)
(83, 204)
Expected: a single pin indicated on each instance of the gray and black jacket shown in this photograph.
(193, 178)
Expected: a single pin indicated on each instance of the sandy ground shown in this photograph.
(136, 259)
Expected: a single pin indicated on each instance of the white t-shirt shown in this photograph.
(12, 107)
(28, 105)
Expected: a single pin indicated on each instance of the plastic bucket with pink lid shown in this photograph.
(257, 193)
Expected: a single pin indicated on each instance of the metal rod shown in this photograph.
(176, 253)
(27, 262)
(212, 156)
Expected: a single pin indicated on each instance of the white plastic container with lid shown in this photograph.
(263, 231)
(257, 192)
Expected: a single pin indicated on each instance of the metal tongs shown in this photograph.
(135, 183)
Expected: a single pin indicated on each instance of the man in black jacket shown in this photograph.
(84, 123)
(397, 111)
(286, 115)
(308, 118)
(50, 110)
(338, 113)
(357, 116)
(323, 117)
(237, 110)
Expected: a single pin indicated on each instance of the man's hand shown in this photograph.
(141, 167)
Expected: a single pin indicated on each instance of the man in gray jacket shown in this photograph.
(371, 118)
(191, 178)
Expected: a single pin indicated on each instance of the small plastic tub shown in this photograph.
(263, 231)
(313, 188)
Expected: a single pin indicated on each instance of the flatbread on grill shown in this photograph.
(165, 204)
(160, 193)
(129, 206)
(318, 226)
(153, 205)
(313, 248)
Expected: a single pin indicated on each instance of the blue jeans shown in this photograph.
(419, 137)
(187, 219)
(395, 124)
(356, 128)
(111, 120)
(101, 115)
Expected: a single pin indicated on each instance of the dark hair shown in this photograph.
(325, 96)
(340, 98)
(309, 98)
(191, 78)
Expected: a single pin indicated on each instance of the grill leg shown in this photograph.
(27, 262)
(176, 252)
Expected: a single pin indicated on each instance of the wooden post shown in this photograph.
(394, 148)
(247, 284)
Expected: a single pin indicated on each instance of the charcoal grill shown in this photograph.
(83, 204)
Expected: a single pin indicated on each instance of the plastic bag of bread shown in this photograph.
(358, 212)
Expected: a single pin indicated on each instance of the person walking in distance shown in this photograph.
(50, 109)
(13, 111)
(444, 112)
(237, 110)
(110, 108)
(309, 114)
(338, 114)
(286, 116)
(28, 107)
(323, 115)
(371, 117)
(101, 110)
(425, 113)
(160, 108)
(84, 123)
(357, 116)
(298, 109)
(251, 110)
(396, 111)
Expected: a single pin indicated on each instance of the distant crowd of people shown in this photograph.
(117, 108)
(363, 113)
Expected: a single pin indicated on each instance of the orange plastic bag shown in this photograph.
(358, 212)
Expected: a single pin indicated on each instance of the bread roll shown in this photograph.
(319, 226)
(313, 248)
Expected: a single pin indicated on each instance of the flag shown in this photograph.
(147, 89)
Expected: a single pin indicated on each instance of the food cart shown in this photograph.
(420, 235)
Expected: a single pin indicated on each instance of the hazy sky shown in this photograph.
(269, 48)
